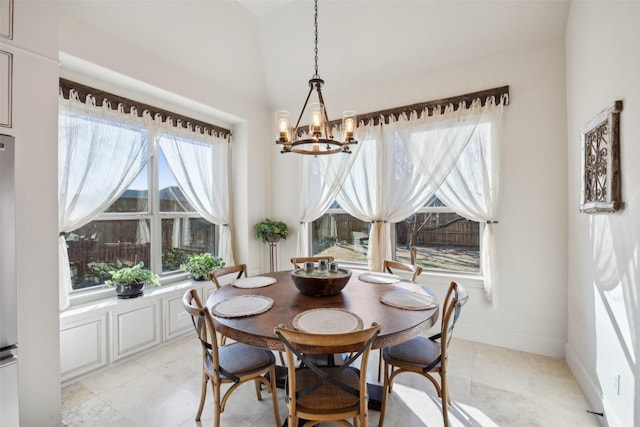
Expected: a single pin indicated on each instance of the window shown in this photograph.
(151, 222)
(441, 239)
(437, 238)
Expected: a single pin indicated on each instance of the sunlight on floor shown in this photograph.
(426, 408)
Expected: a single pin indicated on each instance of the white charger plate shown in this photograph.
(253, 282)
(242, 305)
(327, 321)
(373, 277)
(408, 300)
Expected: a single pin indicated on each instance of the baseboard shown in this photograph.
(501, 338)
(591, 391)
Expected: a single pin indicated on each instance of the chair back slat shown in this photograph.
(457, 296)
(238, 269)
(204, 326)
(389, 266)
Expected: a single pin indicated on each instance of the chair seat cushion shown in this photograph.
(419, 351)
(328, 397)
(238, 358)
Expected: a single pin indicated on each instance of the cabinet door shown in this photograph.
(177, 320)
(136, 329)
(83, 346)
(6, 88)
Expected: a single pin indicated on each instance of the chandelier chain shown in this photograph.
(316, 75)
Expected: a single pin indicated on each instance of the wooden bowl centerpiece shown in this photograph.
(320, 282)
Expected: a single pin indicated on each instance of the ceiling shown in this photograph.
(263, 49)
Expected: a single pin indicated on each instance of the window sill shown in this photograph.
(468, 280)
(105, 296)
(104, 293)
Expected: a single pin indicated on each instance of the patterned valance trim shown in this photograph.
(495, 96)
(127, 105)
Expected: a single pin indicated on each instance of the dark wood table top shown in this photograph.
(362, 298)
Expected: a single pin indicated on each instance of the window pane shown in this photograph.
(340, 235)
(171, 197)
(182, 237)
(102, 246)
(441, 241)
(135, 198)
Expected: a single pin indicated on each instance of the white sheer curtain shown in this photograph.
(471, 189)
(176, 233)
(322, 178)
(143, 234)
(399, 167)
(201, 170)
(100, 152)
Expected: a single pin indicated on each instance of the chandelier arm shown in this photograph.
(306, 101)
(327, 127)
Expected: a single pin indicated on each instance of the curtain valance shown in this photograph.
(126, 105)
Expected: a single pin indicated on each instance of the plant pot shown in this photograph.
(272, 239)
(129, 290)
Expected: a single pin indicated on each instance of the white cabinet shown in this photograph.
(94, 335)
(83, 345)
(135, 329)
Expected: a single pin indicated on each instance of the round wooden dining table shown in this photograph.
(359, 297)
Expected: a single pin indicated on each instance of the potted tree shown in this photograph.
(199, 265)
(131, 281)
(271, 231)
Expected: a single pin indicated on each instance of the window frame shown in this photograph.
(155, 217)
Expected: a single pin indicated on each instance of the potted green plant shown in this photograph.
(199, 265)
(271, 231)
(131, 281)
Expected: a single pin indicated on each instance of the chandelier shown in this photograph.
(319, 137)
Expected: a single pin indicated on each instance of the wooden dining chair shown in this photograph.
(298, 262)
(390, 265)
(426, 356)
(327, 393)
(235, 363)
(239, 269)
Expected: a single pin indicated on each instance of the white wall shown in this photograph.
(531, 236)
(603, 65)
(35, 86)
(90, 57)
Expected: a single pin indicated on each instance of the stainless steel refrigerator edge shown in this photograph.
(8, 287)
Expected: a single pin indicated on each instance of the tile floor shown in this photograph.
(490, 386)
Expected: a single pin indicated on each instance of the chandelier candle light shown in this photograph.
(319, 138)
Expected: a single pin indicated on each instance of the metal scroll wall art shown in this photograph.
(601, 162)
